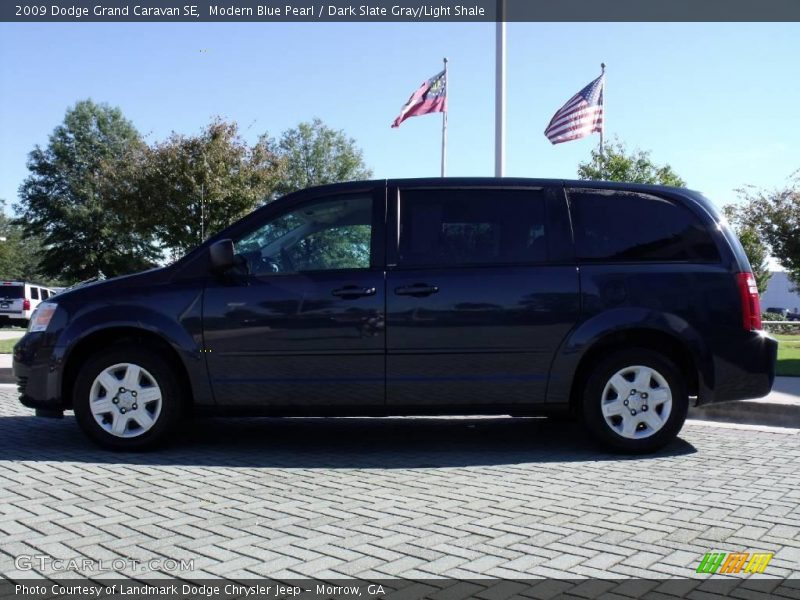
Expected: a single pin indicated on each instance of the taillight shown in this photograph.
(26, 304)
(751, 306)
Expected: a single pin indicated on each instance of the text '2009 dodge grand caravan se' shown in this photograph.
(617, 303)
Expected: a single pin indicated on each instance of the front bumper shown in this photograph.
(38, 374)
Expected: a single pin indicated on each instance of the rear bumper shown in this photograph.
(14, 316)
(38, 374)
(743, 370)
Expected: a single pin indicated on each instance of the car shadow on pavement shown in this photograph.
(346, 443)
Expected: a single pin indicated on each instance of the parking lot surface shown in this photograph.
(406, 497)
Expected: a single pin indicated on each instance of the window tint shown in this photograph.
(45, 294)
(464, 227)
(34, 293)
(335, 233)
(11, 292)
(631, 226)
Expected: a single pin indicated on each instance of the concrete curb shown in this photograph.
(7, 376)
(751, 412)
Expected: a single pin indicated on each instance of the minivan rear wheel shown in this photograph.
(127, 398)
(635, 400)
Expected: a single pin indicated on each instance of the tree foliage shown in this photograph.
(775, 215)
(190, 187)
(99, 199)
(19, 253)
(61, 201)
(315, 154)
(754, 247)
(636, 166)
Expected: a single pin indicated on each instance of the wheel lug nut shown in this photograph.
(633, 392)
(115, 400)
(625, 402)
(122, 410)
(644, 395)
(633, 412)
(135, 406)
(133, 394)
(644, 408)
(122, 389)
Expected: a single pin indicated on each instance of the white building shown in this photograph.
(779, 293)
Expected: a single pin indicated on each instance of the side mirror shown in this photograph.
(220, 255)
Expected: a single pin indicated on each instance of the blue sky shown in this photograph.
(716, 101)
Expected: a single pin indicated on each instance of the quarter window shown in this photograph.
(471, 227)
(632, 226)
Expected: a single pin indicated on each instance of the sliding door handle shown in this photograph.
(417, 290)
(351, 292)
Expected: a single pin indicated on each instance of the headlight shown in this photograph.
(42, 316)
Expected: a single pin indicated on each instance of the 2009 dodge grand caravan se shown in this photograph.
(619, 304)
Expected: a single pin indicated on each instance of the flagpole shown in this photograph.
(444, 121)
(500, 92)
(602, 129)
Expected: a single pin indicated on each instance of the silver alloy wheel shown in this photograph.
(636, 402)
(125, 400)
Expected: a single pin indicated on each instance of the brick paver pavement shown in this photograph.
(372, 498)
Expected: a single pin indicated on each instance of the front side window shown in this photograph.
(334, 233)
(441, 227)
(615, 225)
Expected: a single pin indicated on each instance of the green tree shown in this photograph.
(191, 187)
(19, 253)
(61, 201)
(754, 247)
(775, 214)
(316, 154)
(617, 164)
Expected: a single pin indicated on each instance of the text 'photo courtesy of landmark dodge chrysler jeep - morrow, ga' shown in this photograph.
(617, 304)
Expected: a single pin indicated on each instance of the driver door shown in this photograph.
(302, 324)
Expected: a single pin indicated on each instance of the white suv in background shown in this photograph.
(19, 299)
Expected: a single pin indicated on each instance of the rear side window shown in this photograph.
(472, 227)
(34, 293)
(633, 226)
(45, 294)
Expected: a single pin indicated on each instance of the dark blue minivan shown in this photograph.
(619, 304)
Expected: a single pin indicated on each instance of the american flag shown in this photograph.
(582, 115)
(430, 97)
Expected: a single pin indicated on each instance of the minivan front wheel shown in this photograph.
(126, 398)
(635, 400)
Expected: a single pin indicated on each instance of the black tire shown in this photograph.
(612, 436)
(156, 369)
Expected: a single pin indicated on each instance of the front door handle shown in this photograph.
(418, 290)
(351, 292)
